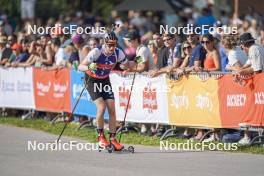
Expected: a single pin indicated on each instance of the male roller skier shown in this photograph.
(104, 58)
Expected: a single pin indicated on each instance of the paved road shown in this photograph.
(16, 160)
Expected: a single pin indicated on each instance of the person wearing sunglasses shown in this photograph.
(212, 60)
(174, 55)
(97, 65)
(198, 52)
(186, 55)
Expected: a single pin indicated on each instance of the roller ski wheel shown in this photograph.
(110, 148)
(131, 149)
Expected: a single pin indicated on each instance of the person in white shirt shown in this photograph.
(255, 54)
(236, 57)
(143, 54)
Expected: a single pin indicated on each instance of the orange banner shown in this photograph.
(52, 90)
(241, 101)
(193, 102)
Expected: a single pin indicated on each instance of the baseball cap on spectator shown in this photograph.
(16, 46)
(245, 38)
(77, 39)
(3, 39)
(132, 36)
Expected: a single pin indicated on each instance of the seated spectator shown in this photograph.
(5, 52)
(237, 58)
(212, 60)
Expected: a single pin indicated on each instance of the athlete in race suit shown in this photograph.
(99, 86)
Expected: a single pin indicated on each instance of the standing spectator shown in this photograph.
(154, 51)
(163, 52)
(198, 52)
(5, 52)
(237, 58)
(93, 43)
(222, 52)
(11, 39)
(255, 54)
(82, 49)
(174, 55)
(146, 61)
(186, 55)
(212, 60)
(18, 56)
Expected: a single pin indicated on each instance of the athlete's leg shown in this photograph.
(110, 103)
(100, 106)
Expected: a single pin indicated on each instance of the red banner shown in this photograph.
(241, 101)
(52, 90)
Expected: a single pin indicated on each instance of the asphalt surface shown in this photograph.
(16, 160)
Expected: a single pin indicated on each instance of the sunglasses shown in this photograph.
(205, 42)
(166, 40)
(187, 47)
(110, 45)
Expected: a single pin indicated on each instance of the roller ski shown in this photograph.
(114, 146)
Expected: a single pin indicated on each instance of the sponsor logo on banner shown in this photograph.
(150, 98)
(42, 88)
(236, 100)
(52, 90)
(259, 98)
(204, 102)
(124, 96)
(16, 88)
(60, 89)
(76, 91)
(180, 101)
